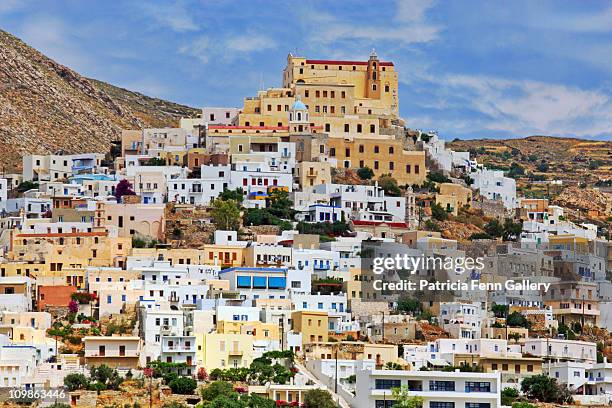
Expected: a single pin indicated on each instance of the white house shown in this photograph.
(437, 388)
(494, 186)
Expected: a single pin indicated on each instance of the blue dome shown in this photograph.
(299, 105)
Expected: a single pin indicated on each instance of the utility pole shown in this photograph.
(336, 385)
(582, 328)
(383, 327)
(282, 333)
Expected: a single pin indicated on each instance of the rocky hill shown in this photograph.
(46, 107)
(578, 160)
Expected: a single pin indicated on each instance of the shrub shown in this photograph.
(183, 385)
(365, 173)
(76, 382)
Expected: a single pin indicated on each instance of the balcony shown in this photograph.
(235, 352)
(117, 354)
(178, 349)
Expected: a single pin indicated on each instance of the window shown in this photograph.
(372, 128)
(387, 384)
(332, 152)
(437, 404)
(346, 127)
(376, 149)
(391, 166)
(408, 168)
(359, 127)
(386, 88)
(306, 93)
(477, 405)
(472, 386)
(376, 165)
(343, 94)
(416, 169)
(327, 127)
(441, 386)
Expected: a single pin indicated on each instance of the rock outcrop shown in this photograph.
(46, 107)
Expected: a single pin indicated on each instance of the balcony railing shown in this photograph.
(113, 354)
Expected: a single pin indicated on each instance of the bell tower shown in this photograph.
(373, 80)
(299, 117)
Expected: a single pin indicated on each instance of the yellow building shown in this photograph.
(512, 368)
(68, 250)
(311, 173)
(362, 87)
(352, 350)
(223, 350)
(313, 325)
(257, 329)
(383, 156)
(452, 197)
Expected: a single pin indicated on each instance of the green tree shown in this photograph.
(408, 304)
(279, 204)
(76, 382)
(438, 213)
(236, 195)
(105, 375)
(155, 161)
(545, 389)
(183, 385)
(512, 230)
(389, 185)
(508, 395)
(216, 389)
(516, 170)
(494, 228)
(318, 398)
(27, 185)
(543, 167)
(566, 331)
(174, 404)
(500, 311)
(403, 399)
(259, 216)
(522, 404)
(437, 177)
(225, 215)
(517, 319)
(365, 173)
(479, 235)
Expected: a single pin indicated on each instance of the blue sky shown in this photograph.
(466, 68)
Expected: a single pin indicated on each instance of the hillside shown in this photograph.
(45, 107)
(570, 159)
